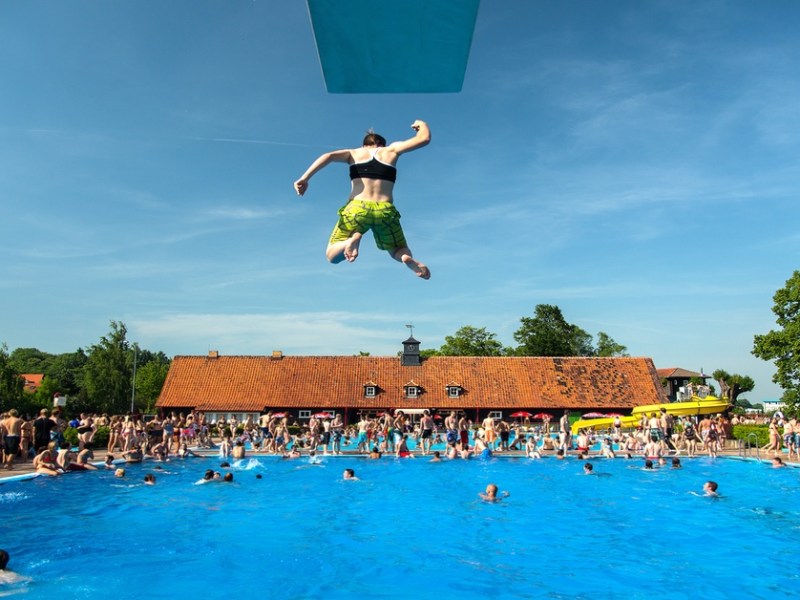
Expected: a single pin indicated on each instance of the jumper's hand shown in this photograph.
(417, 124)
(300, 186)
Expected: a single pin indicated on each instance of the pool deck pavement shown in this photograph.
(24, 470)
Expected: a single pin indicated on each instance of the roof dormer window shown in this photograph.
(412, 390)
(454, 390)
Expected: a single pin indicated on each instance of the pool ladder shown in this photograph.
(746, 448)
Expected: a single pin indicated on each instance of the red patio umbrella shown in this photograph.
(322, 415)
(543, 416)
(521, 414)
(594, 415)
(614, 415)
(279, 415)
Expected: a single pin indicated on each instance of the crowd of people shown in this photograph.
(132, 439)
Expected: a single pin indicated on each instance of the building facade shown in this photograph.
(478, 386)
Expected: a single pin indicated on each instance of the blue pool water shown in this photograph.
(409, 528)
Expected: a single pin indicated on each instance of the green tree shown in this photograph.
(472, 341)
(67, 370)
(607, 347)
(547, 333)
(108, 372)
(30, 360)
(428, 352)
(150, 379)
(11, 384)
(730, 386)
(783, 345)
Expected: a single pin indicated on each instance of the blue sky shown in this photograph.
(634, 163)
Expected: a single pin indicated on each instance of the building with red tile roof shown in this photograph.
(33, 381)
(476, 385)
(677, 380)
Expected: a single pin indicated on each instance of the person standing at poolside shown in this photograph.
(362, 442)
(57, 433)
(373, 173)
(41, 430)
(504, 433)
(426, 425)
(11, 432)
(667, 423)
(337, 432)
(399, 425)
(689, 436)
(617, 427)
(788, 436)
(463, 430)
(26, 439)
(451, 427)
(565, 433)
(774, 437)
(326, 435)
(489, 432)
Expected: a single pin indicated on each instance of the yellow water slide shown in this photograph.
(695, 406)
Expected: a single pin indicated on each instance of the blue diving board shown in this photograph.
(393, 46)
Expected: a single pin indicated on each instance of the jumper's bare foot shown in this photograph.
(421, 270)
(351, 248)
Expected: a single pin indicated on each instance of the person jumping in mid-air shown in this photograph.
(370, 206)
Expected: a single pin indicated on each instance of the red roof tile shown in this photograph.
(249, 383)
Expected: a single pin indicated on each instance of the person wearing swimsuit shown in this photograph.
(373, 173)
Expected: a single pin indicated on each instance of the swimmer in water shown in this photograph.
(8, 577)
(371, 204)
(490, 495)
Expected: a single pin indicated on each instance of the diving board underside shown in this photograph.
(393, 46)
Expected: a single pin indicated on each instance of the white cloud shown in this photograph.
(314, 333)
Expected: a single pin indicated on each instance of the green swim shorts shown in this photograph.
(362, 215)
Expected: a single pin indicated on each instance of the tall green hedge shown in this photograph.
(740, 432)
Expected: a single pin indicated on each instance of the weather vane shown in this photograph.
(411, 328)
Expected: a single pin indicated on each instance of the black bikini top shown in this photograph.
(373, 169)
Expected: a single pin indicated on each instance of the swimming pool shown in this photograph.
(409, 528)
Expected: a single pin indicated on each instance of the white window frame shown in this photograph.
(412, 391)
(370, 391)
(304, 414)
(453, 391)
(497, 415)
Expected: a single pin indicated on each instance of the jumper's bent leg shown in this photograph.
(404, 256)
(344, 250)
